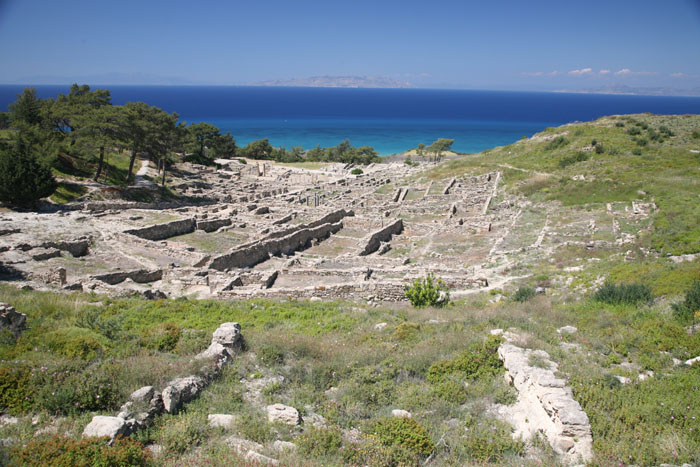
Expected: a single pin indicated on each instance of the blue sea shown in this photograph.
(390, 120)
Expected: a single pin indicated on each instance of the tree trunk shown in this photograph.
(131, 166)
(100, 163)
(163, 182)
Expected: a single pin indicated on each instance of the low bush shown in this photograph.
(65, 452)
(15, 388)
(492, 441)
(570, 160)
(270, 354)
(356, 171)
(480, 359)
(428, 292)
(630, 294)
(451, 391)
(181, 433)
(162, 337)
(688, 310)
(74, 342)
(405, 432)
(634, 131)
(319, 442)
(523, 294)
(406, 330)
(557, 142)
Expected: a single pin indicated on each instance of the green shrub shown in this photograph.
(406, 330)
(634, 131)
(22, 178)
(91, 319)
(372, 452)
(695, 134)
(451, 391)
(15, 389)
(570, 160)
(356, 171)
(637, 151)
(405, 432)
(557, 142)
(74, 342)
(523, 294)
(620, 124)
(599, 149)
(687, 310)
(255, 427)
(319, 442)
(630, 294)
(641, 141)
(491, 441)
(480, 359)
(65, 452)
(428, 292)
(162, 337)
(181, 433)
(270, 354)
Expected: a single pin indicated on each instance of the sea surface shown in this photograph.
(390, 120)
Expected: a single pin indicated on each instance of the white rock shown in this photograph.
(107, 426)
(8, 420)
(156, 449)
(645, 375)
(315, 299)
(623, 379)
(692, 361)
(260, 459)
(567, 330)
(180, 391)
(284, 414)
(215, 350)
(145, 394)
(281, 446)
(220, 420)
(398, 413)
(496, 332)
(380, 326)
(228, 334)
(242, 446)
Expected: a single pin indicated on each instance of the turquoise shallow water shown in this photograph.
(391, 120)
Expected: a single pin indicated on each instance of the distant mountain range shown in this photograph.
(339, 82)
(622, 89)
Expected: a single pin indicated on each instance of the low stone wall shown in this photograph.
(166, 230)
(212, 224)
(141, 276)
(249, 255)
(330, 218)
(383, 235)
(545, 404)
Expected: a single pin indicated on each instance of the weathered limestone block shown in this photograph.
(181, 391)
(42, 254)
(242, 446)
(545, 404)
(269, 281)
(260, 459)
(228, 334)
(220, 420)
(12, 319)
(108, 426)
(144, 394)
(284, 414)
(166, 230)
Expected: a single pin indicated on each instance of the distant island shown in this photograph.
(339, 82)
(628, 90)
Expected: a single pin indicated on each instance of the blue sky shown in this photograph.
(489, 44)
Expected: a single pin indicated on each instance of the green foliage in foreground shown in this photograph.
(478, 360)
(65, 452)
(630, 294)
(22, 178)
(405, 432)
(428, 292)
(523, 294)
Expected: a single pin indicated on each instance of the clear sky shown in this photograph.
(486, 44)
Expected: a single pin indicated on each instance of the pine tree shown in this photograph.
(23, 179)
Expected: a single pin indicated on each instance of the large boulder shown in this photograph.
(283, 414)
(228, 335)
(108, 426)
(181, 391)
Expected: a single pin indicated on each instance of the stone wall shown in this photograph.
(251, 254)
(383, 235)
(166, 230)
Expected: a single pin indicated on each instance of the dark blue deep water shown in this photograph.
(391, 120)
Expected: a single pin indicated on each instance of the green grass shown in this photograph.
(67, 192)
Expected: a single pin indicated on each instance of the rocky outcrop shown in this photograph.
(180, 391)
(213, 224)
(545, 404)
(375, 240)
(225, 340)
(110, 427)
(12, 320)
(283, 414)
(141, 276)
(251, 254)
(166, 230)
